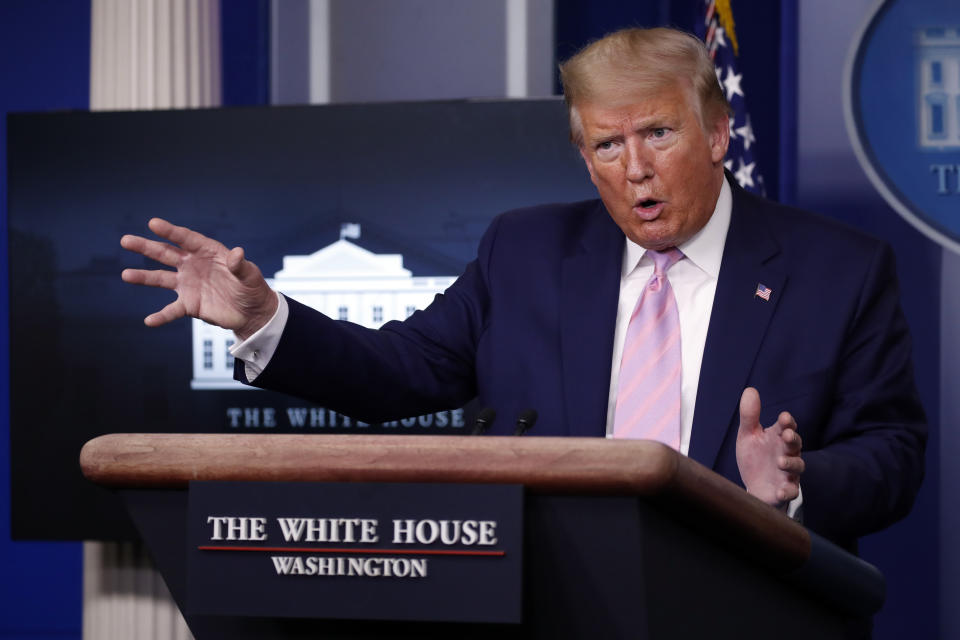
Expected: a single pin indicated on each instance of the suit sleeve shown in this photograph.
(870, 463)
(425, 363)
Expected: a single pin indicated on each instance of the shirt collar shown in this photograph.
(704, 249)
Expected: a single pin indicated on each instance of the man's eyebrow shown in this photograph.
(652, 122)
(603, 136)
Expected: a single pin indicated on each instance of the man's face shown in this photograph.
(658, 172)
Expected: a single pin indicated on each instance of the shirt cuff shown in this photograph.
(793, 507)
(257, 350)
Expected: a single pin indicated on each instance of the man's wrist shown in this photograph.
(264, 315)
(257, 350)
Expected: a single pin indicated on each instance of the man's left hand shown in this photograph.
(769, 459)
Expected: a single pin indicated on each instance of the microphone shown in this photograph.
(528, 417)
(484, 421)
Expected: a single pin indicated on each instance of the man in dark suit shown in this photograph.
(764, 297)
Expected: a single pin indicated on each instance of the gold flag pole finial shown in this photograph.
(725, 16)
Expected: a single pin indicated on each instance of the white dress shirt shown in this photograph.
(694, 282)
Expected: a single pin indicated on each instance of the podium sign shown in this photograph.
(365, 551)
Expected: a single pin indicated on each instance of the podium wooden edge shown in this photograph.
(596, 466)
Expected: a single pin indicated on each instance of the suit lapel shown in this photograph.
(738, 323)
(590, 288)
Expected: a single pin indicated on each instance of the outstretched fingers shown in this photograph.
(785, 421)
(150, 278)
(793, 465)
(792, 442)
(750, 412)
(768, 458)
(188, 239)
(787, 493)
(160, 251)
(173, 311)
(212, 283)
(789, 462)
(236, 263)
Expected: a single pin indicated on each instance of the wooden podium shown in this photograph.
(622, 539)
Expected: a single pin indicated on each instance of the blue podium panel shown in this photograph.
(364, 551)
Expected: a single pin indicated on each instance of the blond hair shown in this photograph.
(625, 63)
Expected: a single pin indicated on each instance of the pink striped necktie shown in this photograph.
(648, 394)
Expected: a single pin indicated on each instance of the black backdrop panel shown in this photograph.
(422, 180)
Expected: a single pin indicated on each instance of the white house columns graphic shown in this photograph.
(342, 280)
(939, 86)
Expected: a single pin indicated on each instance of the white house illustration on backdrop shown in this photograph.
(938, 51)
(341, 280)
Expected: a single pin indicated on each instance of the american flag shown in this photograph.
(718, 32)
(763, 291)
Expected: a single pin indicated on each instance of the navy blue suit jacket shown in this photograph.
(531, 321)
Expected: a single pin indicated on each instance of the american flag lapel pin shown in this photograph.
(763, 291)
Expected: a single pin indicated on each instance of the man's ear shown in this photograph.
(589, 162)
(719, 138)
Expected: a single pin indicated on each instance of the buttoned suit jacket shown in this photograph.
(530, 324)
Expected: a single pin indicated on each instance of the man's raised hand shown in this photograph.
(769, 459)
(213, 283)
